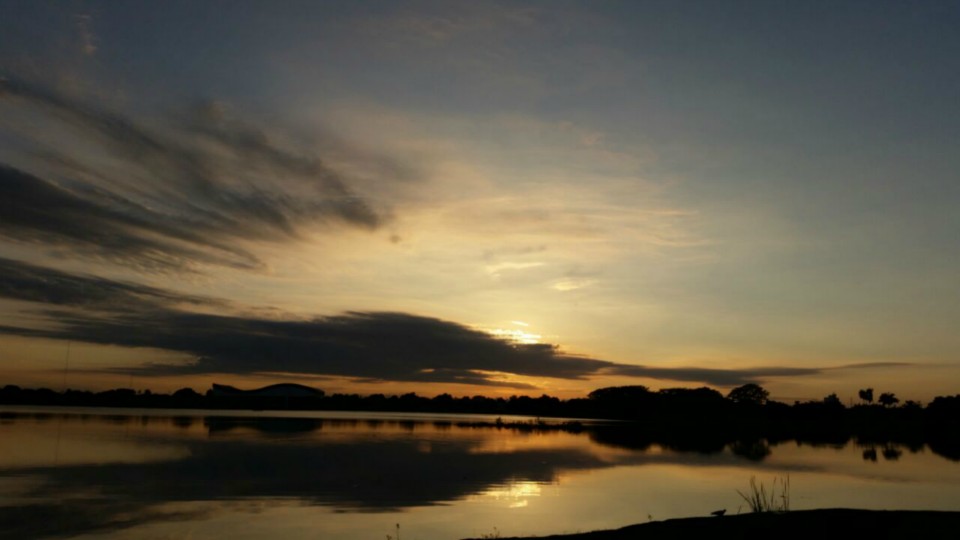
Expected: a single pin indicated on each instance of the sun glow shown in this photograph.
(516, 494)
(516, 336)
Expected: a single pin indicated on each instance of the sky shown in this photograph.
(477, 197)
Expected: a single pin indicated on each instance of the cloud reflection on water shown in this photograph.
(174, 467)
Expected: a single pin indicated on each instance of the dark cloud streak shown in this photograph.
(718, 377)
(31, 283)
(366, 346)
(362, 346)
(176, 200)
(359, 345)
(105, 225)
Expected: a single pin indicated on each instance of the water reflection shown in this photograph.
(63, 474)
(889, 451)
(346, 464)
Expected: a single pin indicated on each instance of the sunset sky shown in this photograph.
(481, 197)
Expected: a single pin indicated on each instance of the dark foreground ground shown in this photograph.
(808, 524)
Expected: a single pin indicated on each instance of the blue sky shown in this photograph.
(652, 193)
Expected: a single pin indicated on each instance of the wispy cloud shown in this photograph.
(92, 222)
(31, 283)
(495, 270)
(572, 284)
(88, 41)
(176, 200)
(718, 377)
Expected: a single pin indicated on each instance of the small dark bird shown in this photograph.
(718, 513)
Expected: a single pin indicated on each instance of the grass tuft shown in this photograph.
(775, 501)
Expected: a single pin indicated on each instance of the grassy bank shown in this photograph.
(808, 524)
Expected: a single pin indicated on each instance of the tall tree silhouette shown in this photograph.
(888, 399)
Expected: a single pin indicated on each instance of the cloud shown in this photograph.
(107, 226)
(74, 516)
(288, 468)
(872, 365)
(717, 377)
(88, 41)
(564, 285)
(31, 283)
(495, 270)
(736, 377)
(360, 345)
(368, 346)
(178, 200)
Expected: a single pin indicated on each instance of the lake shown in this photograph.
(110, 473)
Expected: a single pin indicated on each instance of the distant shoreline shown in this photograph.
(624, 434)
(831, 523)
(698, 419)
(452, 418)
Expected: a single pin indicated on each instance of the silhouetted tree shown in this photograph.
(867, 395)
(912, 405)
(623, 401)
(888, 399)
(891, 453)
(444, 400)
(620, 393)
(754, 450)
(749, 393)
(702, 400)
(833, 400)
(187, 393)
(701, 406)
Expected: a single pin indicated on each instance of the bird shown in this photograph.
(718, 513)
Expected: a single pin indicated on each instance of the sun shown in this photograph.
(516, 335)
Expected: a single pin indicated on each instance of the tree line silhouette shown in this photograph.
(682, 416)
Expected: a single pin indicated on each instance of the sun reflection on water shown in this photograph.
(515, 494)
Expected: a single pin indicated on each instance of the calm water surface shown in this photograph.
(170, 474)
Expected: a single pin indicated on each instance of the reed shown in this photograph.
(759, 500)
